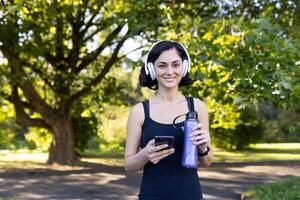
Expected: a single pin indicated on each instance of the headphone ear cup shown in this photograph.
(185, 66)
(151, 70)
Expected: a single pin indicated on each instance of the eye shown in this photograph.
(162, 66)
(176, 65)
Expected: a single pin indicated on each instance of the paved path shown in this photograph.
(220, 181)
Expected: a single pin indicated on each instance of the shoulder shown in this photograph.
(137, 112)
(137, 109)
(199, 105)
(202, 111)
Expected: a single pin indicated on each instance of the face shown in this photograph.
(168, 69)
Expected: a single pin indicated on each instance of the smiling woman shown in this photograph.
(166, 69)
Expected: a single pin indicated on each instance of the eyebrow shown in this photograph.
(162, 62)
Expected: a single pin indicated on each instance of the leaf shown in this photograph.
(207, 36)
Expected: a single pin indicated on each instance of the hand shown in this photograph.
(200, 137)
(155, 153)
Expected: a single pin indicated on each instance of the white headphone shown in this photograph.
(149, 66)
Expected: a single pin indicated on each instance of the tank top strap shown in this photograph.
(146, 109)
(190, 102)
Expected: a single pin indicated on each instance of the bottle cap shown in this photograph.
(192, 115)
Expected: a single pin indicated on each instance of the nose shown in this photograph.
(169, 69)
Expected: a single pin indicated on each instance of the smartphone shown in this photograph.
(159, 140)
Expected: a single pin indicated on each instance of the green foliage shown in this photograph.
(12, 136)
(112, 127)
(283, 127)
(240, 64)
(57, 52)
(7, 125)
(6, 134)
(235, 61)
(84, 126)
(38, 139)
(282, 190)
(84, 130)
(235, 129)
(260, 152)
(250, 131)
(242, 54)
(118, 90)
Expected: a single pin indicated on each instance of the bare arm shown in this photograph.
(201, 135)
(134, 159)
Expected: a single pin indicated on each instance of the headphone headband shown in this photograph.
(149, 67)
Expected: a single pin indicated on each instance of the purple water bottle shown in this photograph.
(190, 152)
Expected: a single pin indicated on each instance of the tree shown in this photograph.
(244, 53)
(48, 49)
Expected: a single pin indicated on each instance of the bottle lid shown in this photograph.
(192, 115)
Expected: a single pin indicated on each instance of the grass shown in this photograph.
(22, 159)
(260, 152)
(283, 190)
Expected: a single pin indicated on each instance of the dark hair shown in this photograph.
(157, 49)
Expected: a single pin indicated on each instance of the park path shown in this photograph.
(220, 181)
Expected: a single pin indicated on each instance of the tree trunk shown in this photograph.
(62, 145)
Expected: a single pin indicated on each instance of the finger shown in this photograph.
(155, 161)
(159, 154)
(198, 132)
(167, 151)
(199, 137)
(162, 155)
(160, 147)
(151, 142)
(197, 126)
(194, 133)
(203, 141)
(162, 152)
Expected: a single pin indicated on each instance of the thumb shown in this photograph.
(151, 142)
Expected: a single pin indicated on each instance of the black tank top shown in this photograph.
(167, 179)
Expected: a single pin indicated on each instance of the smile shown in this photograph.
(169, 78)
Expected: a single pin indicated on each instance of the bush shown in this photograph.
(6, 135)
(85, 128)
(284, 127)
(84, 124)
(112, 127)
(235, 129)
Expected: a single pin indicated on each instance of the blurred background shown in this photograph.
(69, 70)
(69, 76)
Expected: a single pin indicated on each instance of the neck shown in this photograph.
(169, 96)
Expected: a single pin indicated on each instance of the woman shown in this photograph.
(166, 69)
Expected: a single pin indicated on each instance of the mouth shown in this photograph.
(169, 79)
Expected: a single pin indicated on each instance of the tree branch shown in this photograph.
(59, 44)
(92, 56)
(21, 116)
(37, 103)
(123, 56)
(88, 24)
(100, 76)
(100, 26)
(39, 72)
(23, 103)
(76, 36)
